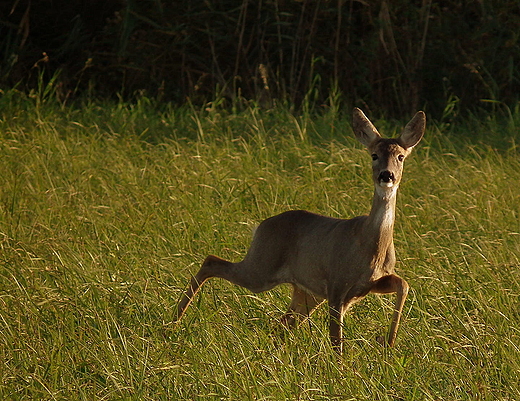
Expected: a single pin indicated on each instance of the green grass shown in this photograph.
(106, 210)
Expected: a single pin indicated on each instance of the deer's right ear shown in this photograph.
(364, 130)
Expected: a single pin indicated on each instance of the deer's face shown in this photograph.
(388, 154)
(387, 162)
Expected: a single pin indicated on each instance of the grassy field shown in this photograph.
(106, 210)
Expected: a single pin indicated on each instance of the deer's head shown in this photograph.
(388, 154)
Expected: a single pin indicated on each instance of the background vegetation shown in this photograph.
(392, 57)
(136, 137)
(106, 210)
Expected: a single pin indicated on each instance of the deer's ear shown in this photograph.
(414, 131)
(364, 130)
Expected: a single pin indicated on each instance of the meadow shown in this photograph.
(107, 208)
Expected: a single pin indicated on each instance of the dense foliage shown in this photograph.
(392, 56)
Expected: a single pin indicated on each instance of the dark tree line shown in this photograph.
(392, 55)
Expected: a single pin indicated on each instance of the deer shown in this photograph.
(325, 258)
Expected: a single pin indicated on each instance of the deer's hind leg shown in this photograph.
(301, 307)
(212, 266)
(247, 274)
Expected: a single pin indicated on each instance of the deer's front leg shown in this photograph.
(387, 285)
(335, 327)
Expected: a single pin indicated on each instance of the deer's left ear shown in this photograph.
(414, 131)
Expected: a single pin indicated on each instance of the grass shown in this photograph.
(106, 210)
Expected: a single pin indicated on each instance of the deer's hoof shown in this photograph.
(381, 341)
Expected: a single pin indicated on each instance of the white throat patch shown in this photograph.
(386, 189)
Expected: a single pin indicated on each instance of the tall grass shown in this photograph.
(106, 210)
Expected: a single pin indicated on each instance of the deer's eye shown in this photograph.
(400, 158)
(375, 157)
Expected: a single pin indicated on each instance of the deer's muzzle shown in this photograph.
(386, 178)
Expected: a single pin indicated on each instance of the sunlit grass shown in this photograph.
(106, 210)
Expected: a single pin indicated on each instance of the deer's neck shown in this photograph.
(379, 225)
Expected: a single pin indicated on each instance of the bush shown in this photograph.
(395, 56)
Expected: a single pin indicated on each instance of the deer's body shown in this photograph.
(325, 258)
(311, 252)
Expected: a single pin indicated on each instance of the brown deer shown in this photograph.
(328, 258)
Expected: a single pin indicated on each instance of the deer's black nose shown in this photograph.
(386, 176)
